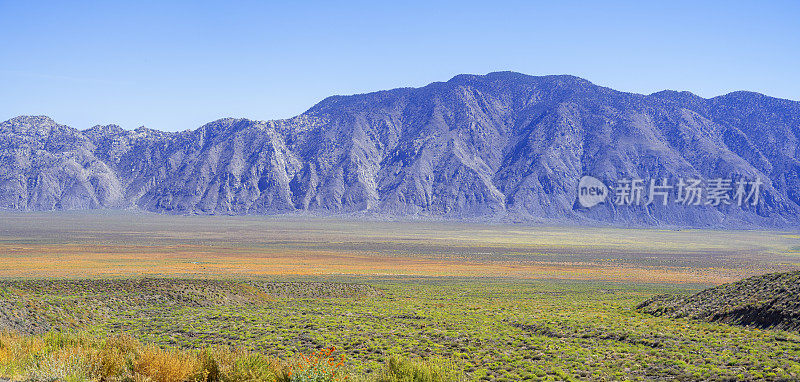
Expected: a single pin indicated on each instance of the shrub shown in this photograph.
(159, 365)
(65, 364)
(252, 368)
(402, 369)
(114, 357)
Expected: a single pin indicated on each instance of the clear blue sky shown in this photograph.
(176, 65)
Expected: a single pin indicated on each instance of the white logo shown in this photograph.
(591, 191)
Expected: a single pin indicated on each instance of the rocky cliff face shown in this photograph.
(499, 146)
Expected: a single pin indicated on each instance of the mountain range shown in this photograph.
(501, 147)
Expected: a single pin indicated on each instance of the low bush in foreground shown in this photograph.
(401, 369)
(61, 357)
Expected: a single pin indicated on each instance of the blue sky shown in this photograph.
(177, 65)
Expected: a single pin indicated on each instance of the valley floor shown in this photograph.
(123, 244)
(492, 302)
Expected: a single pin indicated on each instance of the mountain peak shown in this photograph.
(667, 93)
(40, 124)
(503, 145)
(31, 120)
(105, 130)
(512, 76)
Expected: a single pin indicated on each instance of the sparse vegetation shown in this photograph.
(406, 329)
(120, 245)
(769, 301)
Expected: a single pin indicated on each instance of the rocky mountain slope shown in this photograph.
(500, 146)
(768, 301)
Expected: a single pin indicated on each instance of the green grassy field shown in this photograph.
(498, 303)
(490, 329)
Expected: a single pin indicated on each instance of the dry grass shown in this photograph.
(60, 357)
(63, 357)
(161, 365)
